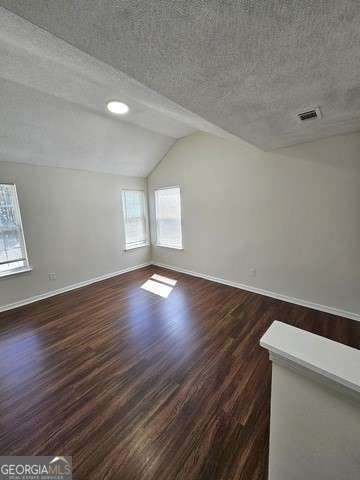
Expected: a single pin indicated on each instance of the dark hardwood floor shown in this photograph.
(136, 386)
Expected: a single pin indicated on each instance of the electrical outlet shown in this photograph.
(252, 272)
(52, 276)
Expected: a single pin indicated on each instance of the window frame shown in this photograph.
(25, 258)
(157, 243)
(146, 243)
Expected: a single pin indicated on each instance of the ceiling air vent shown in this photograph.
(310, 114)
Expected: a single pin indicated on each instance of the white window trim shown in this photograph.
(15, 271)
(163, 245)
(146, 243)
(134, 247)
(27, 267)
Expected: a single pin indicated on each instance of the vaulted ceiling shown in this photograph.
(53, 108)
(246, 66)
(224, 66)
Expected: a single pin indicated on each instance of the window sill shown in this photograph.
(136, 246)
(168, 246)
(16, 271)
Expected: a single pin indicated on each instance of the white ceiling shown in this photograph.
(53, 113)
(246, 66)
(45, 130)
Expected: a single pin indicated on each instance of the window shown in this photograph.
(13, 256)
(135, 218)
(168, 217)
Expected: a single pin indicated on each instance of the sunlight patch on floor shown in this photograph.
(158, 288)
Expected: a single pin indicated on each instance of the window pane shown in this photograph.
(134, 218)
(168, 217)
(12, 245)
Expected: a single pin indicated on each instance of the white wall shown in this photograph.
(314, 429)
(73, 226)
(293, 214)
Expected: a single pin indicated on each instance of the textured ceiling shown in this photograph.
(42, 129)
(52, 107)
(246, 66)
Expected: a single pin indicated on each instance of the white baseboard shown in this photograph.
(267, 293)
(74, 286)
(242, 286)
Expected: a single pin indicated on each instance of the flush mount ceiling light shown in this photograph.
(119, 108)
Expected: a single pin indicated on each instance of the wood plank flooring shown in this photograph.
(136, 386)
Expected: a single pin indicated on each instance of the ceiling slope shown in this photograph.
(53, 108)
(43, 129)
(247, 67)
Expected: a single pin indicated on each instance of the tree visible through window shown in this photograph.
(13, 254)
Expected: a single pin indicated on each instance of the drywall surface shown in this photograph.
(73, 227)
(314, 430)
(292, 214)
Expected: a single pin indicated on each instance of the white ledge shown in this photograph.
(332, 360)
(15, 271)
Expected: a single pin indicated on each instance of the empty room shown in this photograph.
(179, 240)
